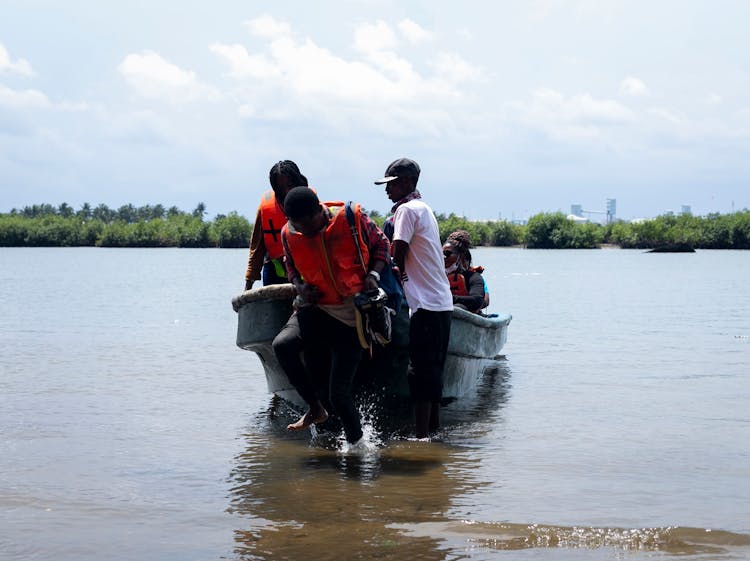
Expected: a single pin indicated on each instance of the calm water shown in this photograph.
(618, 427)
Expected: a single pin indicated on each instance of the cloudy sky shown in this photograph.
(511, 107)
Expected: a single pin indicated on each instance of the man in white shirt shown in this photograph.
(418, 253)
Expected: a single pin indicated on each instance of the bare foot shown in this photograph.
(313, 416)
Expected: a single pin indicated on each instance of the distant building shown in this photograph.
(574, 218)
(686, 210)
(577, 212)
(611, 210)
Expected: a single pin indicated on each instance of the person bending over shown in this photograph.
(323, 264)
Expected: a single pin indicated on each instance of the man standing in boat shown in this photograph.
(266, 252)
(324, 265)
(417, 252)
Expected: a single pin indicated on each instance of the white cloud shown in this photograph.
(581, 108)
(267, 26)
(155, 78)
(633, 87)
(243, 64)
(20, 66)
(23, 99)
(589, 9)
(669, 115)
(579, 116)
(714, 99)
(375, 37)
(456, 69)
(291, 76)
(413, 32)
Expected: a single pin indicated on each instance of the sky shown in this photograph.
(511, 108)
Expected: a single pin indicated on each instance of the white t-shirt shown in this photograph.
(427, 285)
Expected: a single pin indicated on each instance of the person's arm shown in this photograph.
(403, 230)
(257, 253)
(475, 299)
(400, 251)
(378, 247)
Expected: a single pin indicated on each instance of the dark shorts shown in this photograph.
(428, 347)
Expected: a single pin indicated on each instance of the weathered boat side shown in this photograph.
(474, 343)
(261, 313)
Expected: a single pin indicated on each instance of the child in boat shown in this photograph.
(467, 284)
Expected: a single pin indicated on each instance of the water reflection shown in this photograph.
(307, 499)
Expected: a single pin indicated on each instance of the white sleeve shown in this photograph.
(403, 224)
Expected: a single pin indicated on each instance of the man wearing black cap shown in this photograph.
(417, 252)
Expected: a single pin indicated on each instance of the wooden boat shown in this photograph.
(474, 345)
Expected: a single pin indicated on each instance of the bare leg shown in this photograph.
(316, 414)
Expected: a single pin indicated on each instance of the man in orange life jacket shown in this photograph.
(467, 284)
(266, 252)
(323, 264)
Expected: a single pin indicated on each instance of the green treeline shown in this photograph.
(128, 226)
(556, 231)
(157, 226)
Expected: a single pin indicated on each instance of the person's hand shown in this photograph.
(308, 293)
(248, 284)
(370, 283)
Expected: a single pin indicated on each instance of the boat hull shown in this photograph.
(474, 345)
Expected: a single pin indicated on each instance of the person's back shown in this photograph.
(425, 283)
(266, 253)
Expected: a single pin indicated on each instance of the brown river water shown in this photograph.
(616, 427)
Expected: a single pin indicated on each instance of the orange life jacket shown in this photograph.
(329, 260)
(457, 281)
(272, 219)
(458, 284)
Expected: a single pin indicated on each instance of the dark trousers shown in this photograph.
(428, 347)
(270, 275)
(331, 355)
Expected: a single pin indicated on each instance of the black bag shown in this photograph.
(389, 282)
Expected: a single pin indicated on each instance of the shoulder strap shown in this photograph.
(355, 234)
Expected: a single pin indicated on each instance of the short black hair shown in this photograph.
(301, 202)
(289, 169)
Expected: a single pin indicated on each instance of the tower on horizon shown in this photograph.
(611, 210)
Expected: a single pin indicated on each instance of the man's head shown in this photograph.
(284, 176)
(400, 179)
(304, 211)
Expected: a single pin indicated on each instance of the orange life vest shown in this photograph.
(458, 284)
(329, 260)
(272, 219)
(457, 281)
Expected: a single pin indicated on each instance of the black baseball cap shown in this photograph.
(403, 167)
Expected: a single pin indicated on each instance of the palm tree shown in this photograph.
(85, 212)
(199, 211)
(65, 210)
